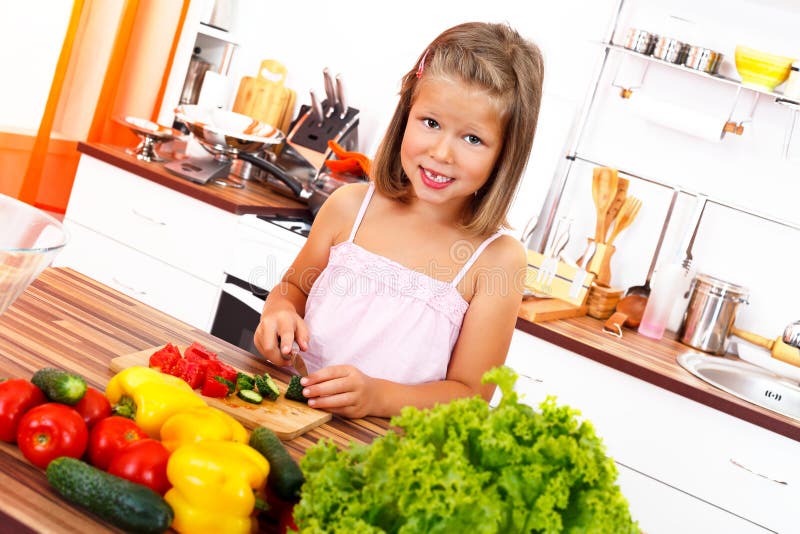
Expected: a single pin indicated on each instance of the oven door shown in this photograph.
(238, 313)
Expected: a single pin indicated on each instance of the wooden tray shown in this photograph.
(287, 418)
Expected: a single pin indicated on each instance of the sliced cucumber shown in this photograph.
(248, 395)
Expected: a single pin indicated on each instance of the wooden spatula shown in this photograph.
(604, 187)
(625, 217)
(616, 204)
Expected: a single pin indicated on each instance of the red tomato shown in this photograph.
(196, 351)
(51, 430)
(17, 396)
(143, 462)
(110, 435)
(165, 358)
(93, 407)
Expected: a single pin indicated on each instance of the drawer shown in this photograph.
(146, 279)
(175, 228)
(262, 252)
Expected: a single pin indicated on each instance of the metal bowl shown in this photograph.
(151, 134)
(225, 133)
(703, 59)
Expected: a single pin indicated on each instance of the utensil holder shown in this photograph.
(600, 262)
(602, 301)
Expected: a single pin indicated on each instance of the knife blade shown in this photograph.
(316, 108)
(297, 361)
(330, 92)
(340, 92)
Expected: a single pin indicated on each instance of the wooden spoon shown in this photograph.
(604, 187)
(627, 213)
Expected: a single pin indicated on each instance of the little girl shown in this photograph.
(406, 292)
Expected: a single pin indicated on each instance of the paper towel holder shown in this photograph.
(729, 126)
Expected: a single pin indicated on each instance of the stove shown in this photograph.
(297, 224)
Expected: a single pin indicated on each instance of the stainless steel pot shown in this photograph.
(711, 313)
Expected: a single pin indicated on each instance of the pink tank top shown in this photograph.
(387, 320)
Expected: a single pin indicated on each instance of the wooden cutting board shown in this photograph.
(287, 418)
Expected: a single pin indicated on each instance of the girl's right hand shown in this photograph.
(275, 333)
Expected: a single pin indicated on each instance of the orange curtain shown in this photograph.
(115, 61)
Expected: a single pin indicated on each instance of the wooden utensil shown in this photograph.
(604, 187)
(625, 217)
(287, 418)
(616, 204)
(779, 349)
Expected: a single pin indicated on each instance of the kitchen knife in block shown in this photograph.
(287, 418)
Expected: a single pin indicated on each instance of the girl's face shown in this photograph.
(451, 142)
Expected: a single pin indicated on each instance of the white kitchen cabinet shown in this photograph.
(155, 244)
(677, 458)
(142, 277)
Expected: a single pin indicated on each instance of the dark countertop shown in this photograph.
(636, 355)
(255, 198)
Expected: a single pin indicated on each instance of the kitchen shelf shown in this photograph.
(715, 77)
(654, 181)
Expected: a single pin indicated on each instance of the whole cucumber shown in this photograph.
(285, 476)
(60, 386)
(131, 507)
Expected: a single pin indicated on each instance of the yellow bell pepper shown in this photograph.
(213, 484)
(201, 423)
(149, 397)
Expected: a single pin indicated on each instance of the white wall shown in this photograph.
(29, 48)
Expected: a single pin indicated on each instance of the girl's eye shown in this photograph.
(473, 139)
(430, 123)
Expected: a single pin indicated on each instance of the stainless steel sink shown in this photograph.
(746, 381)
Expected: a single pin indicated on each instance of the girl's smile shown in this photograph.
(451, 143)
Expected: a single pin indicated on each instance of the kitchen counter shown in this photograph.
(255, 198)
(639, 356)
(67, 320)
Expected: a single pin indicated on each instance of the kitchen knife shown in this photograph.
(330, 92)
(340, 92)
(316, 108)
(297, 361)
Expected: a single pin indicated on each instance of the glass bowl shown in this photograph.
(761, 70)
(29, 240)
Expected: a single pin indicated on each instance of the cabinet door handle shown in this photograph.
(128, 287)
(148, 218)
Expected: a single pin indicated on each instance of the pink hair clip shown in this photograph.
(422, 64)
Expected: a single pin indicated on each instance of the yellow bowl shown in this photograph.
(761, 69)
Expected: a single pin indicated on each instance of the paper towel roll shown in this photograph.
(679, 118)
(216, 91)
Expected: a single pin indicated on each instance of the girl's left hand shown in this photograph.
(341, 389)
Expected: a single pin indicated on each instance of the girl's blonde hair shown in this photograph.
(496, 59)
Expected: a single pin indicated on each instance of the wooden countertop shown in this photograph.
(639, 356)
(256, 198)
(655, 362)
(67, 320)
